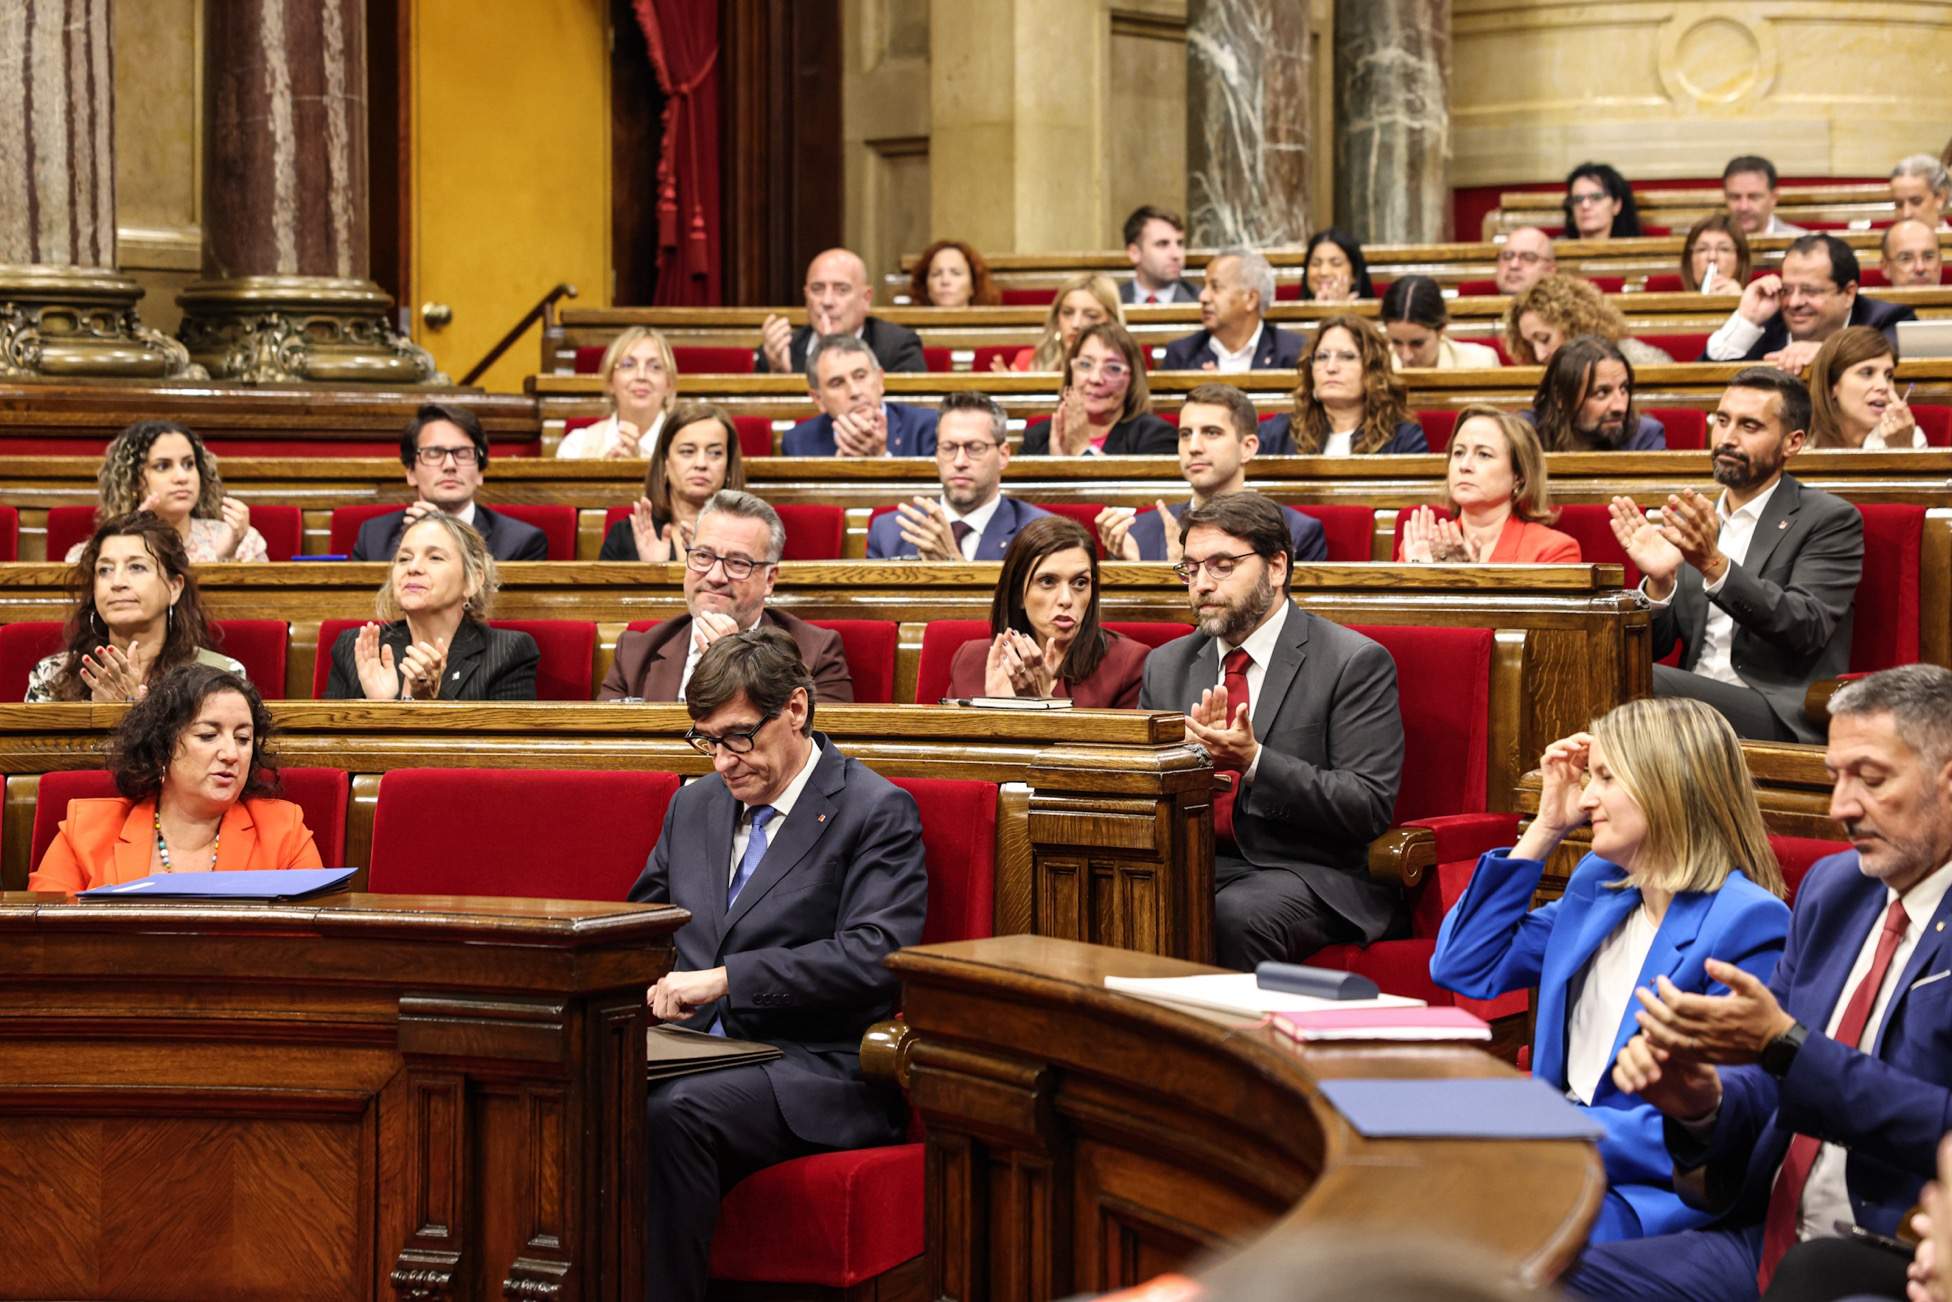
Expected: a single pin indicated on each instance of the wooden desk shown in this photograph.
(1082, 1140)
(362, 1097)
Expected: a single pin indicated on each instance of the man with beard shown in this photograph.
(1759, 584)
(1815, 1101)
(972, 520)
(1785, 318)
(844, 380)
(1584, 402)
(1302, 715)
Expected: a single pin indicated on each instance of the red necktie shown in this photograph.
(1152, 299)
(1786, 1199)
(1236, 685)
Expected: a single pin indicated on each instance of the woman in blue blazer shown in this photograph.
(1680, 872)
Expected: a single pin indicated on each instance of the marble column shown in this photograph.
(285, 293)
(1247, 122)
(1392, 120)
(64, 309)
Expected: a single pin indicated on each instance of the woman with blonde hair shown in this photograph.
(1854, 399)
(1081, 301)
(162, 467)
(1562, 307)
(1680, 882)
(640, 382)
(1349, 399)
(435, 643)
(1499, 501)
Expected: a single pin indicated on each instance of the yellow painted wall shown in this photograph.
(511, 159)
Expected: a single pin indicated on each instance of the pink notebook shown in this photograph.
(1444, 1023)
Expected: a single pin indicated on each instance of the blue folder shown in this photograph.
(1523, 1107)
(274, 884)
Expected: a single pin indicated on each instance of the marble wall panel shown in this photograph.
(1392, 119)
(1249, 124)
(57, 151)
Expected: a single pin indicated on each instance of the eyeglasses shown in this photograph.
(973, 449)
(699, 560)
(1582, 199)
(1110, 370)
(1512, 256)
(738, 741)
(1814, 293)
(1218, 566)
(466, 456)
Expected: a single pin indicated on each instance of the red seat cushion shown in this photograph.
(1681, 347)
(813, 530)
(322, 793)
(1443, 684)
(528, 833)
(832, 1219)
(1664, 283)
(1349, 531)
(1439, 423)
(1085, 513)
(260, 645)
(870, 646)
(22, 646)
(347, 520)
(939, 359)
(939, 643)
(1590, 524)
(1686, 427)
(697, 359)
(1885, 627)
(1936, 422)
(959, 842)
(1477, 288)
(566, 649)
(9, 533)
(1020, 297)
(589, 359)
(755, 435)
(1154, 633)
(988, 353)
(1795, 855)
(66, 526)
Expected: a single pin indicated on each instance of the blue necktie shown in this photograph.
(748, 864)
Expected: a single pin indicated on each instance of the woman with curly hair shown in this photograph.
(194, 766)
(1081, 301)
(135, 616)
(951, 274)
(1350, 399)
(1559, 308)
(1599, 204)
(163, 467)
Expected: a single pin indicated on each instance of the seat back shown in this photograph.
(1084, 513)
(526, 833)
(1348, 531)
(1153, 633)
(870, 646)
(22, 646)
(323, 794)
(959, 840)
(697, 359)
(939, 643)
(1590, 524)
(1682, 347)
(347, 521)
(66, 526)
(1795, 855)
(1686, 427)
(558, 525)
(260, 645)
(1936, 422)
(1884, 629)
(813, 530)
(1439, 424)
(566, 649)
(755, 435)
(1443, 688)
(10, 534)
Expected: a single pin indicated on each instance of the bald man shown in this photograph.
(838, 298)
(1911, 254)
(1525, 260)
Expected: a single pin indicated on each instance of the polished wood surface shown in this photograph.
(1081, 1140)
(358, 1097)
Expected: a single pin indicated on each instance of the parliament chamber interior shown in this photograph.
(891, 650)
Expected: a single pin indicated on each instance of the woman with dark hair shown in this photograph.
(951, 274)
(162, 467)
(1715, 256)
(1417, 323)
(1333, 270)
(1584, 402)
(1349, 400)
(134, 616)
(1599, 204)
(1854, 400)
(1105, 405)
(193, 763)
(697, 454)
(1045, 638)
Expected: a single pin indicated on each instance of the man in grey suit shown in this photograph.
(973, 520)
(1303, 714)
(1760, 583)
(802, 871)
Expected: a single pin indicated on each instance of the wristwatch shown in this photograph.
(1779, 1053)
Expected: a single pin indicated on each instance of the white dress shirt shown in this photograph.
(592, 440)
(692, 652)
(1600, 1002)
(782, 806)
(1339, 444)
(1826, 1198)
(1718, 631)
(1240, 360)
(1170, 294)
(1259, 647)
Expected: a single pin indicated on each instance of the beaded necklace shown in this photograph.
(162, 847)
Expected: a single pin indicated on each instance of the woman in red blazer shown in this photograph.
(191, 763)
(1046, 639)
(1496, 492)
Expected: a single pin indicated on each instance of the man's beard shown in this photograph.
(1607, 434)
(1742, 472)
(1234, 624)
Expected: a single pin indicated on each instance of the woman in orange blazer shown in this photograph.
(1496, 490)
(191, 761)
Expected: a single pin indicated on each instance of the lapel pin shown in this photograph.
(1782, 524)
(823, 818)
(1940, 927)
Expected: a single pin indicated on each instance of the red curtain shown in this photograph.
(684, 42)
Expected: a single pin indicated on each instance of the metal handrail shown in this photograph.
(529, 318)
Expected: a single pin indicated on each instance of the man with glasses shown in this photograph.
(1784, 319)
(844, 380)
(730, 569)
(445, 451)
(973, 520)
(838, 298)
(803, 870)
(1302, 715)
(1911, 254)
(1525, 260)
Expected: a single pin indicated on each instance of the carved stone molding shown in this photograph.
(81, 323)
(277, 329)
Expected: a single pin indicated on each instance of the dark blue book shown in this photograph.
(269, 885)
(1513, 1107)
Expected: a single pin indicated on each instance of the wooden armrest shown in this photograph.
(884, 1051)
(1816, 700)
(1403, 855)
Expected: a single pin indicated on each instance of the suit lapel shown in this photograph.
(1290, 649)
(464, 656)
(239, 833)
(667, 669)
(1778, 517)
(1928, 957)
(138, 839)
(999, 531)
(1676, 935)
(793, 839)
(720, 815)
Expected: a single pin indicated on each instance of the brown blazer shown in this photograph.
(106, 841)
(1113, 685)
(650, 662)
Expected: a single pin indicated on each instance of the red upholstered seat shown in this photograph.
(696, 359)
(9, 533)
(1019, 297)
(870, 646)
(1681, 347)
(567, 650)
(1154, 633)
(988, 353)
(1664, 283)
(939, 642)
(812, 530)
(939, 359)
(558, 524)
(321, 793)
(1935, 421)
(1590, 524)
(1477, 288)
(260, 645)
(1885, 628)
(529, 833)
(1795, 855)
(1085, 513)
(589, 359)
(1349, 531)
(1439, 423)
(66, 526)
(755, 435)
(22, 646)
(1686, 427)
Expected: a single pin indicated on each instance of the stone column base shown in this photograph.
(80, 323)
(271, 329)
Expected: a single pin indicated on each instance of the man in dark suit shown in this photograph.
(1821, 1096)
(838, 299)
(1234, 335)
(1786, 318)
(1303, 714)
(1219, 434)
(802, 870)
(845, 381)
(445, 451)
(1155, 241)
(1760, 583)
(730, 569)
(973, 520)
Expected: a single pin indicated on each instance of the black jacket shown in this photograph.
(897, 347)
(508, 539)
(483, 663)
(1143, 435)
(1279, 350)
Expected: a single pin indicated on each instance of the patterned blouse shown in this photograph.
(203, 544)
(46, 673)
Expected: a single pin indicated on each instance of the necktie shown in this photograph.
(1786, 1199)
(961, 529)
(1236, 683)
(755, 851)
(1152, 299)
